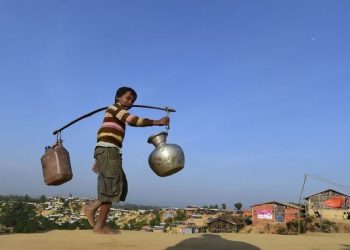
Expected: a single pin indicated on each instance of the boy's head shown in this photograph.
(125, 96)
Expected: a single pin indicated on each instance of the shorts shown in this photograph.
(112, 185)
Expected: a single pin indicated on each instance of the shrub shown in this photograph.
(113, 224)
(267, 228)
(282, 229)
(155, 221)
(294, 225)
(248, 221)
(328, 226)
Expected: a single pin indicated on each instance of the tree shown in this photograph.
(155, 221)
(42, 199)
(46, 224)
(84, 224)
(223, 206)
(76, 207)
(180, 215)
(113, 224)
(69, 226)
(140, 224)
(238, 206)
(20, 216)
(27, 198)
(168, 222)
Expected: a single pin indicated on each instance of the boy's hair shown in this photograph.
(122, 90)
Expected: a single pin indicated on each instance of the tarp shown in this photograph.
(335, 202)
(264, 214)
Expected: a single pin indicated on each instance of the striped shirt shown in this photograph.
(112, 129)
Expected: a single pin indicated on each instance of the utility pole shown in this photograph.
(300, 197)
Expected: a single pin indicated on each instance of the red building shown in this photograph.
(274, 212)
(247, 213)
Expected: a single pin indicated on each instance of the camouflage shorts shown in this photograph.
(112, 185)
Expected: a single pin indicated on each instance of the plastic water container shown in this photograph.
(56, 165)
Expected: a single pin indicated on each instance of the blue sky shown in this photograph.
(261, 90)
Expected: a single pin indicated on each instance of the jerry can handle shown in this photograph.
(58, 139)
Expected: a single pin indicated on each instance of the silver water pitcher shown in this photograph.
(166, 159)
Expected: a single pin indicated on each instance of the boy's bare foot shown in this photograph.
(90, 214)
(105, 230)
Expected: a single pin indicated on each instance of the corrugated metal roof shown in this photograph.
(286, 204)
(220, 219)
(325, 191)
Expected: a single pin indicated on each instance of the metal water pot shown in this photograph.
(166, 159)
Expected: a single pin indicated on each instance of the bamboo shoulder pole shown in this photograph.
(167, 109)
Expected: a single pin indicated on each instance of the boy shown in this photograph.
(111, 181)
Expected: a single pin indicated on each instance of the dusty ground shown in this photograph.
(152, 241)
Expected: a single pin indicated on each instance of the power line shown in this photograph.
(323, 179)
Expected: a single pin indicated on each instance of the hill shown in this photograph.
(85, 240)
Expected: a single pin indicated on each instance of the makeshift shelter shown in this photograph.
(329, 204)
(219, 225)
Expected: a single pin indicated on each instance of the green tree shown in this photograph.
(168, 222)
(155, 221)
(42, 199)
(131, 224)
(27, 198)
(46, 224)
(20, 216)
(140, 224)
(137, 225)
(238, 206)
(113, 224)
(180, 215)
(69, 226)
(76, 207)
(223, 206)
(83, 224)
(27, 226)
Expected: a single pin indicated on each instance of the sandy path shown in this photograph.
(85, 240)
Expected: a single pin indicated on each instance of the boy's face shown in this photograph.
(127, 99)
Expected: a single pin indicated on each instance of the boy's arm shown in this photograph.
(163, 121)
(136, 121)
(95, 168)
(133, 120)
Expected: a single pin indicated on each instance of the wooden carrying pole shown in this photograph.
(100, 109)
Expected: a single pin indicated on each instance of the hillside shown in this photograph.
(86, 240)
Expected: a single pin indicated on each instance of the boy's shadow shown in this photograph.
(346, 247)
(212, 242)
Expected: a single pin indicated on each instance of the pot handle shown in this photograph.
(167, 127)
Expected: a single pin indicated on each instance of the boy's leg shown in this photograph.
(90, 211)
(91, 208)
(109, 184)
(101, 226)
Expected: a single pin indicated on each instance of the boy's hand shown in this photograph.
(164, 121)
(95, 168)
